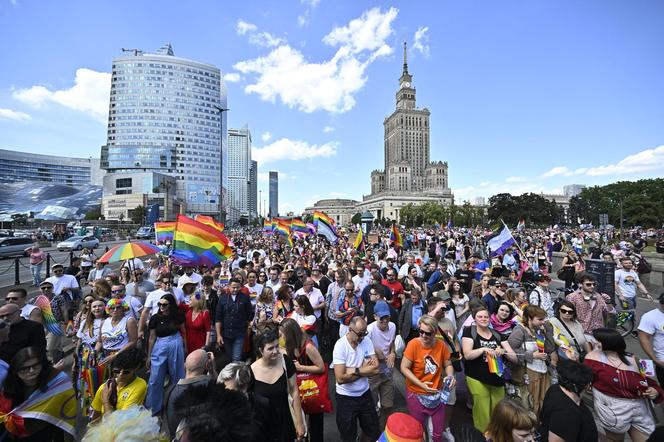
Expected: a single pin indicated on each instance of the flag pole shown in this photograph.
(515, 241)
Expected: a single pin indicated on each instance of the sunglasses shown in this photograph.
(359, 334)
(58, 271)
(566, 311)
(89, 301)
(116, 307)
(29, 368)
(426, 333)
(46, 287)
(117, 291)
(11, 298)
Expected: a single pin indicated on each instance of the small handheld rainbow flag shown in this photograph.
(540, 342)
(495, 364)
(49, 319)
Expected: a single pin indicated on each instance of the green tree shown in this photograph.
(19, 219)
(138, 215)
(94, 214)
(356, 219)
(308, 218)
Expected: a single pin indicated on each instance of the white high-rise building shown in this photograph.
(165, 117)
(239, 173)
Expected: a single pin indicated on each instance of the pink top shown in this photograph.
(36, 258)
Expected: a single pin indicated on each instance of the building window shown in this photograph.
(122, 183)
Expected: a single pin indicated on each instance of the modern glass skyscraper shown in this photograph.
(253, 189)
(164, 117)
(239, 180)
(274, 193)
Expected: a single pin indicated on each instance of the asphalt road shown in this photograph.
(7, 265)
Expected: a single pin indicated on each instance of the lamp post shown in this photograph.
(221, 110)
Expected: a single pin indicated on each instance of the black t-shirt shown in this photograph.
(465, 278)
(477, 368)
(562, 416)
(24, 333)
(166, 325)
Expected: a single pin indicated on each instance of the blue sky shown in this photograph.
(524, 95)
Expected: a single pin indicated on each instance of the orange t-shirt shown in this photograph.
(428, 364)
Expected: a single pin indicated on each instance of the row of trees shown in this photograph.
(641, 203)
(534, 208)
(429, 214)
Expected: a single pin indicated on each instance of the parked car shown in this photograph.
(145, 232)
(78, 243)
(13, 246)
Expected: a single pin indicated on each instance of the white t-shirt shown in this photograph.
(315, 298)
(360, 282)
(27, 309)
(653, 324)
(135, 306)
(63, 282)
(345, 354)
(84, 335)
(114, 338)
(153, 298)
(382, 339)
(254, 292)
(627, 282)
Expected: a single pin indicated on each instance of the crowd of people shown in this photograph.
(244, 349)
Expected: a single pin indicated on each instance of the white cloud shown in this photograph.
(515, 179)
(330, 85)
(648, 160)
(9, 114)
(232, 77)
(244, 27)
(421, 41)
(285, 149)
(367, 33)
(262, 39)
(328, 129)
(558, 170)
(304, 18)
(468, 193)
(266, 137)
(310, 3)
(90, 94)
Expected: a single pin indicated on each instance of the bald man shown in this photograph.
(22, 332)
(196, 366)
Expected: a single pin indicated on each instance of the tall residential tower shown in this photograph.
(274, 193)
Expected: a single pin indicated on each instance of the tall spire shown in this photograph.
(405, 60)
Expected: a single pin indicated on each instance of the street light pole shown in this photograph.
(221, 110)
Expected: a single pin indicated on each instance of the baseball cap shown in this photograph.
(381, 309)
(55, 266)
(538, 277)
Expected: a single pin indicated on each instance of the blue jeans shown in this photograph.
(233, 347)
(167, 358)
(35, 271)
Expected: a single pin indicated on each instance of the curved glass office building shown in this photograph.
(165, 117)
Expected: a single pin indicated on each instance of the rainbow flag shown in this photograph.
(297, 225)
(56, 406)
(195, 243)
(210, 222)
(359, 240)
(396, 237)
(49, 319)
(283, 228)
(267, 226)
(540, 342)
(322, 217)
(312, 228)
(164, 231)
(495, 364)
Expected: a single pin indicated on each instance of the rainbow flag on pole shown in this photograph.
(164, 231)
(297, 225)
(282, 228)
(195, 243)
(210, 222)
(325, 227)
(396, 237)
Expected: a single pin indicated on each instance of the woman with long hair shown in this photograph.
(88, 373)
(125, 275)
(81, 314)
(535, 347)
(306, 358)
(118, 333)
(197, 323)
(303, 313)
(274, 379)
(511, 422)
(264, 310)
(166, 350)
(284, 304)
(620, 391)
(459, 301)
(568, 268)
(503, 320)
(568, 332)
(518, 299)
(482, 345)
(102, 289)
(37, 401)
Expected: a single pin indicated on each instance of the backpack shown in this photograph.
(644, 266)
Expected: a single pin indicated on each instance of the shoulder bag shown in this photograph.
(313, 388)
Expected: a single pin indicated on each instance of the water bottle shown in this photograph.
(445, 393)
